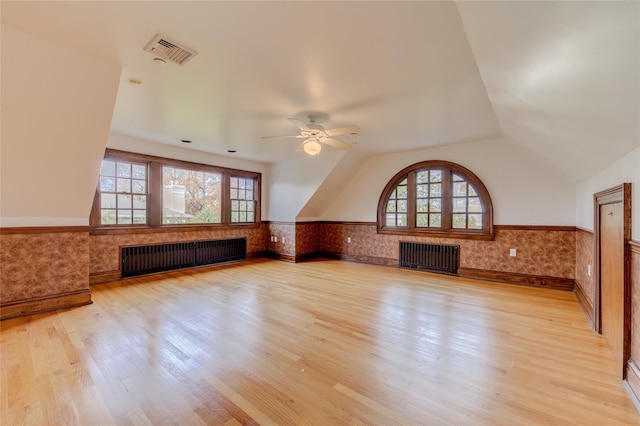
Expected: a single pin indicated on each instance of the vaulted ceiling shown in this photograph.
(560, 79)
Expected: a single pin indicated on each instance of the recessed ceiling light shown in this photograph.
(159, 61)
(185, 140)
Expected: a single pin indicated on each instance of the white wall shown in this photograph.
(524, 190)
(56, 112)
(143, 146)
(342, 173)
(626, 169)
(292, 183)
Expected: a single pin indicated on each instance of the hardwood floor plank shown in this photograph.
(316, 343)
(242, 403)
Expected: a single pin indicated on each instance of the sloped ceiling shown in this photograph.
(559, 78)
(563, 77)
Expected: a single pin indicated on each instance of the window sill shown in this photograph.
(468, 235)
(145, 229)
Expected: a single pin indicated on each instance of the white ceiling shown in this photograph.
(559, 78)
(562, 77)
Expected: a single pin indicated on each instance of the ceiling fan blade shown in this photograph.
(298, 123)
(287, 136)
(343, 131)
(336, 143)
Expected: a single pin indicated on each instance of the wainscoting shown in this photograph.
(585, 271)
(105, 247)
(43, 268)
(546, 256)
(633, 371)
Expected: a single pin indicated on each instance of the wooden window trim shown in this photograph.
(446, 231)
(154, 196)
(95, 214)
(251, 201)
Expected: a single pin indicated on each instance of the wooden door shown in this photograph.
(612, 295)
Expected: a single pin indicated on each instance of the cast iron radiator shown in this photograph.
(167, 256)
(429, 257)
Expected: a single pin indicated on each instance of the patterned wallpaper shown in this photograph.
(585, 241)
(286, 230)
(38, 265)
(308, 237)
(539, 252)
(105, 249)
(61, 261)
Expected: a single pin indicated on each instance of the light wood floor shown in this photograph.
(318, 343)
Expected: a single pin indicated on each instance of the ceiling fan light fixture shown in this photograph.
(312, 147)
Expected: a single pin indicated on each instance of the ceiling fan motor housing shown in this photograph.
(316, 128)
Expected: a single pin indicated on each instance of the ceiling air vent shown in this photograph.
(164, 48)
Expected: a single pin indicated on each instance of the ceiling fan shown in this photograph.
(314, 135)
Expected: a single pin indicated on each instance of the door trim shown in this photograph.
(621, 193)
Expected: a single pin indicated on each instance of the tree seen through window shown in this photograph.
(190, 196)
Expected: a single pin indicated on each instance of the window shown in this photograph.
(396, 214)
(467, 208)
(242, 199)
(429, 199)
(436, 197)
(123, 193)
(190, 196)
(140, 190)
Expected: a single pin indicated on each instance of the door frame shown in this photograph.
(617, 194)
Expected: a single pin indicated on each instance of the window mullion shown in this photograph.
(411, 200)
(447, 199)
(154, 191)
(225, 199)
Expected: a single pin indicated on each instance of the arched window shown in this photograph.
(439, 198)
